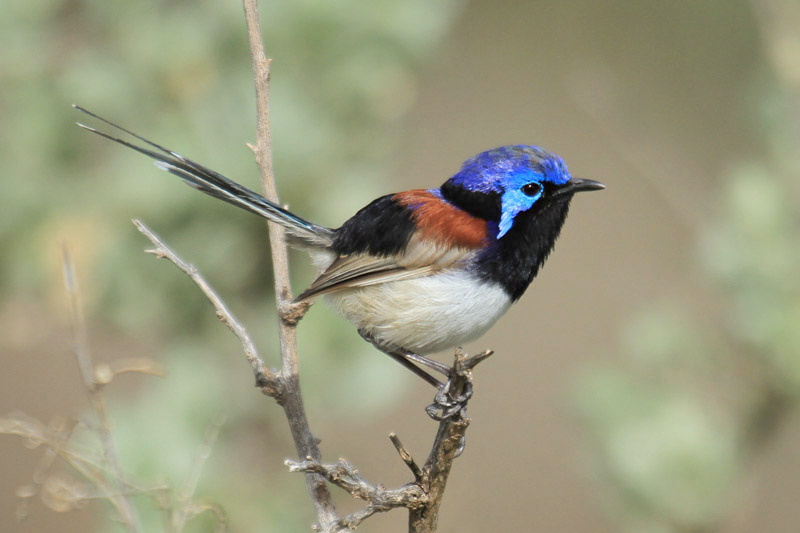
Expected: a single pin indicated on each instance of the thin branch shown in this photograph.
(406, 457)
(423, 497)
(292, 401)
(449, 443)
(187, 508)
(59, 493)
(262, 151)
(378, 499)
(119, 499)
(265, 379)
(105, 372)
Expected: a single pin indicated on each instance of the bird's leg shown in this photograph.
(445, 400)
(445, 405)
(407, 359)
(427, 361)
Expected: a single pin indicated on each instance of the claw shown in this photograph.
(446, 406)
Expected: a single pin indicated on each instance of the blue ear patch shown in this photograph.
(514, 201)
(550, 168)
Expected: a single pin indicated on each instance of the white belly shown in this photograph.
(424, 315)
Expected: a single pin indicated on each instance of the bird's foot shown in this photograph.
(447, 403)
(451, 398)
(449, 406)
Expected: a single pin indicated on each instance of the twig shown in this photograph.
(266, 380)
(119, 498)
(285, 389)
(56, 493)
(448, 445)
(187, 508)
(423, 497)
(105, 372)
(406, 457)
(305, 443)
(378, 499)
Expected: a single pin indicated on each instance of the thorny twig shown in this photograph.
(62, 493)
(103, 474)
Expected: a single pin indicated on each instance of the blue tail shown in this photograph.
(214, 184)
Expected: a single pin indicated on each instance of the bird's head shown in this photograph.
(503, 183)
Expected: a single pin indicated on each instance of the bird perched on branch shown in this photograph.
(420, 271)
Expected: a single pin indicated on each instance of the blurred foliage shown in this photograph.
(672, 429)
(180, 73)
(673, 441)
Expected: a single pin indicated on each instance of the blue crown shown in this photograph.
(489, 170)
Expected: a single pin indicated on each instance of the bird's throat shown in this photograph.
(514, 260)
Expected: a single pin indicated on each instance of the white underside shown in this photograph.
(426, 314)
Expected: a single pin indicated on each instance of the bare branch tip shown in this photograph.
(406, 456)
(140, 226)
(465, 363)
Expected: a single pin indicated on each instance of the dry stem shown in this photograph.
(378, 499)
(266, 380)
(422, 497)
(119, 498)
(186, 508)
(449, 443)
(292, 401)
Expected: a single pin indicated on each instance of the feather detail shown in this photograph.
(424, 315)
(420, 258)
(303, 233)
(440, 221)
(442, 236)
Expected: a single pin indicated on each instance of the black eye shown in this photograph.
(531, 189)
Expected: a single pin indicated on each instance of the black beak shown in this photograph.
(577, 185)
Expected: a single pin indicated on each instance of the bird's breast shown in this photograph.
(427, 314)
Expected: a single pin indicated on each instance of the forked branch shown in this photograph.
(379, 499)
(423, 496)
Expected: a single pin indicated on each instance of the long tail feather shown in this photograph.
(215, 184)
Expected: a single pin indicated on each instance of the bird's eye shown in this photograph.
(531, 189)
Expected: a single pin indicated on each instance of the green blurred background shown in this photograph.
(646, 382)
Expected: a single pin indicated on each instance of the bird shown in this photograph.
(425, 270)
